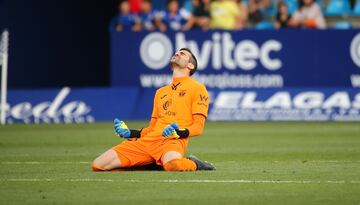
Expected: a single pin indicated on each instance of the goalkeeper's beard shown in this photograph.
(174, 64)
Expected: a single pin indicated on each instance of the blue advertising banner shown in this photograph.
(68, 105)
(246, 59)
(292, 75)
(294, 104)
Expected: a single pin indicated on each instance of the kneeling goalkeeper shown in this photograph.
(179, 112)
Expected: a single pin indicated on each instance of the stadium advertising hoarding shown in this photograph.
(251, 75)
(246, 59)
(293, 104)
(68, 105)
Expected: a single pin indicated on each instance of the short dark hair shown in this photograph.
(170, 1)
(192, 60)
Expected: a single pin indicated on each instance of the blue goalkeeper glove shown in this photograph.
(169, 131)
(121, 129)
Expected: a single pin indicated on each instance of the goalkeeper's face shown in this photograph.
(181, 60)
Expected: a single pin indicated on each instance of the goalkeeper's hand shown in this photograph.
(169, 131)
(121, 129)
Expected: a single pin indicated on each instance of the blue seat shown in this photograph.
(187, 5)
(356, 10)
(292, 5)
(343, 25)
(270, 11)
(338, 8)
(264, 25)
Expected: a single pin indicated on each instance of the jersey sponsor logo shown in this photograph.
(204, 98)
(167, 104)
(174, 87)
(170, 113)
(202, 104)
(182, 93)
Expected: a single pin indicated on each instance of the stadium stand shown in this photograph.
(356, 10)
(338, 14)
(343, 25)
(264, 25)
(338, 8)
(292, 5)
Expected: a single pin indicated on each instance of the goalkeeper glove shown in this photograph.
(169, 131)
(121, 129)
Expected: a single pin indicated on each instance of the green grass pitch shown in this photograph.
(257, 163)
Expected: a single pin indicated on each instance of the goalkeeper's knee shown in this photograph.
(180, 165)
(173, 165)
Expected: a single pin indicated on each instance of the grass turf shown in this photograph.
(258, 163)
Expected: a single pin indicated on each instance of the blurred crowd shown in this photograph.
(183, 15)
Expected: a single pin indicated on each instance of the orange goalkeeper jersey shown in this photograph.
(177, 102)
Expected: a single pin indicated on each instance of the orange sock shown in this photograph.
(180, 165)
(96, 168)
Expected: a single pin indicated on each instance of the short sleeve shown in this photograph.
(160, 15)
(184, 14)
(201, 100)
(235, 10)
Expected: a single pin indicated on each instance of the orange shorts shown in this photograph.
(141, 152)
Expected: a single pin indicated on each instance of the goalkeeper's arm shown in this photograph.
(197, 127)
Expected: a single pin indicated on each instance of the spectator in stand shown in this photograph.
(173, 18)
(225, 14)
(147, 16)
(200, 17)
(256, 10)
(135, 6)
(243, 18)
(282, 17)
(125, 20)
(308, 15)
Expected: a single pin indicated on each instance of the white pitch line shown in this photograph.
(239, 181)
(36, 163)
(321, 161)
(27, 180)
(60, 180)
(21, 162)
(90, 180)
(82, 162)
